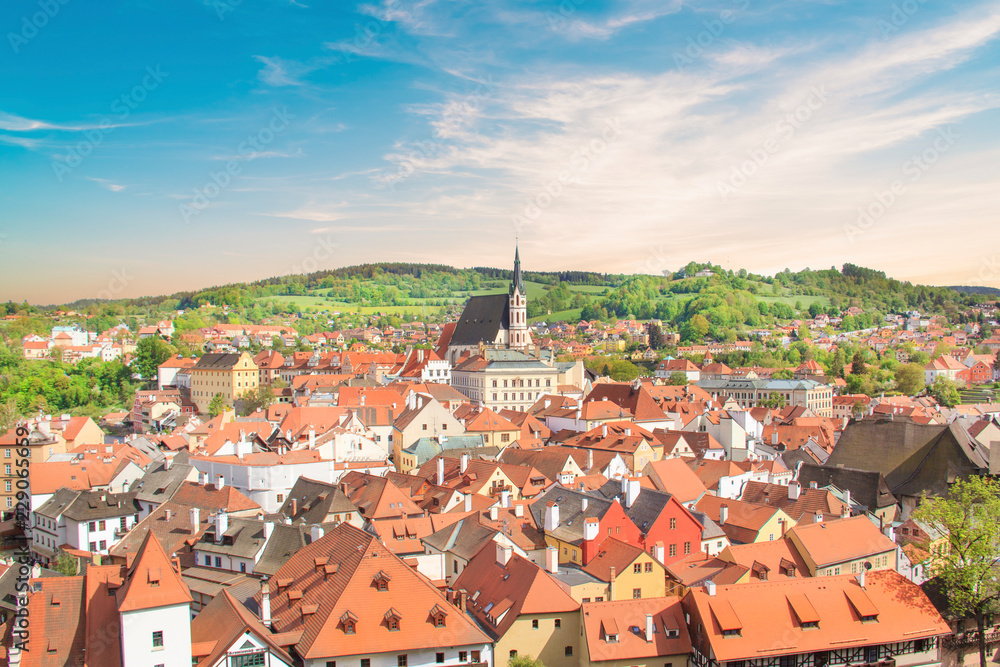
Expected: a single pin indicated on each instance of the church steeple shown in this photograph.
(517, 283)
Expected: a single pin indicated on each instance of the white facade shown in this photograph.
(246, 645)
(138, 637)
(99, 535)
(422, 658)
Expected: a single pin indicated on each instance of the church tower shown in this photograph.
(518, 336)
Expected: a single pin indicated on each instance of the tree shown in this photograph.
(910, 379)
(261, 397)
(217, 405)
(858, 363)
(9, 414)
(677, 379)
(66, 564)
(524, 661)
(837, 366)
(969, 567)
(149, 354)
(945, 392)
(695, 328)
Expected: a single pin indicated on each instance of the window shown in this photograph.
(649, 567)
(101, 525)
(568, 650)
(636, 593)
(218, 561)
(599, 598)
(280, 498)
(366, 662)
(6, 468)
(243, 567)
(393, 623)
(401, 660)
(673, 523)
(687, 547)
(158, 639)
(93, 546)
(871, 654)
(439, 658)
(673, 549)
(92, 526)
(331, 663)
(558, 623)
(103, 545)
(463, 656)
(637, 568)
(513, 654)
(424, 427)
(208, 561)
(534, 624)
(475, 656)
(585, 600)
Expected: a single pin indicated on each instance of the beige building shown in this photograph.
(229, 374)
(749, 393)
(504, 379)
(843, 546)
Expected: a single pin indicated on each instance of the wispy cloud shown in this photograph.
(280, 72)
(109, 185)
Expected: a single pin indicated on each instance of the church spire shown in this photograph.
(517, 284)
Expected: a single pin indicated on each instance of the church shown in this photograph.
(498, 321)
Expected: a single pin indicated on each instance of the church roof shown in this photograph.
(483, 318)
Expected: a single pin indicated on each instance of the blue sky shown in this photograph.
(148, 147)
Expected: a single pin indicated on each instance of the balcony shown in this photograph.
(970, 639)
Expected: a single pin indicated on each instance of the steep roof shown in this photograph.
(676, 477)
(481, 320)
(58, 628)
(613, 553)
(222, 622)
(809, 501)
(913, 458)
(498, 594)
(333, 580)
(152, 581)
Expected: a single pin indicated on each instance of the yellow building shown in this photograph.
(843, 546)
(230, 375)
(630, 572)
(521, 607)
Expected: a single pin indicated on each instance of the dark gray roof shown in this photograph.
(93, 505)
(913, 458)
(8, 581)
(284, 542)
(58, 502)
(315, 501)
(867, 488)
(244, 538)
(463, 539)
(159, 484)
(647, 506)
(571, 512)
(481, 320)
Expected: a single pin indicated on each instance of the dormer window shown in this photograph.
(392, 619)
(349, 622)
(381, 581)
(438, 615)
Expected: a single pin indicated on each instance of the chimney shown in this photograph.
(552, 560)
(793, 491)
(315, 532)
(503, 555)
(632, 491)
(774, 438)
(505, 499)
(551, 516)
(221, 525)
(723, 515)
(710, 588)
(590, 461)
(649, 628)
(268, 530)
(167, 514)
(464, 465)
(265, 603)
(295, 506)
(847, 498)
(814, 484)
(312, 438)
(494, 513)
(195, 519)
(817, 517)
(612, 577)
(658, 552)
(604, 430)
(845, 511)
(440, 471)
(167, 461)
(584, 504)
(220, 482)
(519, 511)
(468, 502)
(861, 578)
(590, 528)
(628, 430)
